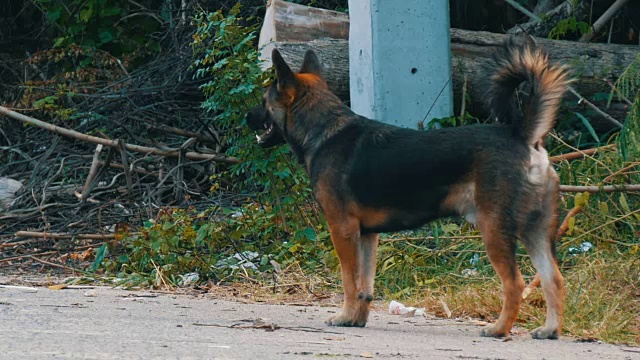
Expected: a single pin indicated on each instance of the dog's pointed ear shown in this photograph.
(284, 74)
(311, 64)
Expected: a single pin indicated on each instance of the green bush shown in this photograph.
(118, 27)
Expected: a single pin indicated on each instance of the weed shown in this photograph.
(569, 26)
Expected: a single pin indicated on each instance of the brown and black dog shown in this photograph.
(370, 177)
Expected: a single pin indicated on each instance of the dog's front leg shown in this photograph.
(367, 251)
(357, 256)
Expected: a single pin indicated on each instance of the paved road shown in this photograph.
(115, 324)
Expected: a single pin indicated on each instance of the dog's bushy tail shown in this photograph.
(514, 64)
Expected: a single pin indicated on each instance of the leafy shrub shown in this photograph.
(228, 58)
(569, 26)
(120, 27)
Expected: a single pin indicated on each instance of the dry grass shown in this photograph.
(603, 300)
(290, 286)
(603, 296)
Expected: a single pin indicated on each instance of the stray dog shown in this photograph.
(370, 177)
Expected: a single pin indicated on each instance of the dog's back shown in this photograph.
(420, 175)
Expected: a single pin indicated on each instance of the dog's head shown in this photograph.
(273, 120)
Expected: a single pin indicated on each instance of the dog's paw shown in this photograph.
(493, 330)
(545, 333)
(344, 319)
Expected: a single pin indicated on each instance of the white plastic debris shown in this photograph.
(581, 249)
(188, 279)
(238, 260)
(586, 246)
(469, 272)
(397, 308)
(27, 289)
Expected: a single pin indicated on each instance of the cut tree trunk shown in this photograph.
(289, 22)
(590, 63)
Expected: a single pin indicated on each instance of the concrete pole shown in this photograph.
(400, 60)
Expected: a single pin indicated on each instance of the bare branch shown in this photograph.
(597, 189)
(114, 143)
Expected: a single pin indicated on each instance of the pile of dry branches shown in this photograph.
(138, 143)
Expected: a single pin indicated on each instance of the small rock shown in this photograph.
(91, 293)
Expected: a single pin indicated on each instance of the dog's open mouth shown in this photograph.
(266, 131)
(262, 138)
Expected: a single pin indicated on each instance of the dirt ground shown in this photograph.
(104, 323)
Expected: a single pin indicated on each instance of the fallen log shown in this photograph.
(591, 64)
(284, 20)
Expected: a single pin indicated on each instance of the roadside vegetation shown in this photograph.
(259, 233)
(444, 263)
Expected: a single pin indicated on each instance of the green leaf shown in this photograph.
(54, 15)
(604, 208)
(167, 226)
(59, 41)
(571, 225)
(106, 37)
(155, 245)
(203, 232)
(100, 254)
(450, 228)
(49, 100)
(624, 204)
(85, 15)
(86, 62)
(582, 199)
(308, 233)
(110, 11)
(586, 123)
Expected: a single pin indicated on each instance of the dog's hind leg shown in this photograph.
(501, 249)
(539, 240)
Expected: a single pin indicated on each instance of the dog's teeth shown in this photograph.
(266, 126)
(258, 137)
